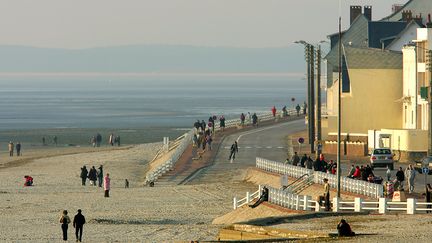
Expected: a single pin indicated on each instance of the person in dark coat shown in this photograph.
(233, 150)
(364, 174)
(303, 160)
(262, 198)
(100, 175)
(92, 175)
(118, 140)
(222, 123)
(400, 177)
(254, 119)
(98, 139)
(317, 164)
(344, 229)
(84, 173)
(295, 159)
(78, 223)
(18, 148)
(309, 163)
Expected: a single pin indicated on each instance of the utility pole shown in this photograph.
(309, 103)
(338, 164)
(429, 67)
(318, 100)
(312, 98)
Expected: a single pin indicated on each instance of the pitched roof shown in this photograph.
(407, 28)
(417, 7)
(372, 58)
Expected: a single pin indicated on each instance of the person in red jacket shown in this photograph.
(357, 173)
(273, 110)
(28, 180)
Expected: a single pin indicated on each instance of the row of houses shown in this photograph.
(385, 81)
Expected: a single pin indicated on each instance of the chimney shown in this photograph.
(429, 22)
(367, 12)
(396, 7)
(355, 11)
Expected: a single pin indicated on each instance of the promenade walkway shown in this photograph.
(266, 140)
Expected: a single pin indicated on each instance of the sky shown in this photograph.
(77, 24)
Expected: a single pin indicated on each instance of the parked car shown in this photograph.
(382, 157)
(426, 161)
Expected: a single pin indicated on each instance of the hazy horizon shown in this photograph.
(83, 24)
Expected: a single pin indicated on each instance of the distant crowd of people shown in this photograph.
(319, 164)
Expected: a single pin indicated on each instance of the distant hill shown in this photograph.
(152, 58)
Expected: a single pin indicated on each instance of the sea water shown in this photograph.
(138, 108)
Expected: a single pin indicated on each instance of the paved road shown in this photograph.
(267, 142)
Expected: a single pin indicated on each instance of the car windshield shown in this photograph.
(382, 151)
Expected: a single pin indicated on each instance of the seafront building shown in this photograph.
(384, 82)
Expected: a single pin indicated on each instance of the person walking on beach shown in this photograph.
(273, 110)
(55, 140)
(233, 151)
(98, 139)
(107, 185)
(43, 141)
(118, 140)
(65, 221)
(111, 139)
(78, 223)
(11, 148)
(327, 194)
(92, 175)
(100, 175)
(93, 141)
(18, 148)
(83, 175)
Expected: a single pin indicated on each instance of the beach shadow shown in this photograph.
(291, 218)
(137, 222)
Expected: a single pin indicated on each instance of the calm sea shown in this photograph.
(140, 109)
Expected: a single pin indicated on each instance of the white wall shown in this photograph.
(407, 37)
(409, 92)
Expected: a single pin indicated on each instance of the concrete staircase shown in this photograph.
(300, 184)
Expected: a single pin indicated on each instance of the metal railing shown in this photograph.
(347, 184)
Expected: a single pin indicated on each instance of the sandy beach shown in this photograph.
(136, 214)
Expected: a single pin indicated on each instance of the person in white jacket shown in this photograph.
(410, 174)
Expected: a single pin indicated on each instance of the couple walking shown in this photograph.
(78, 223)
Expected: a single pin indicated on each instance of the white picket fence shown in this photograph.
(249, 197)
(305, 203)
(347, 184)
(382, 206)
(170, 162)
